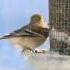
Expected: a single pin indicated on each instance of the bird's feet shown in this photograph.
(25, 49)
(34, 51)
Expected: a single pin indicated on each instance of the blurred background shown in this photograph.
(13, 15)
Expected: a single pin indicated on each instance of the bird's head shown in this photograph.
(37, 20)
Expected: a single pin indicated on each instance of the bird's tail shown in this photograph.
(5, 37)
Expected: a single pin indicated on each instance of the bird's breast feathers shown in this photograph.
(31, 42)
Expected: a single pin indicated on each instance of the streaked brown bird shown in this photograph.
(30, 36)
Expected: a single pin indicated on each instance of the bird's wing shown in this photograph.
(22, 32)
(32, 33)
(25, 31)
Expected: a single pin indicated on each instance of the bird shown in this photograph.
(31, 35)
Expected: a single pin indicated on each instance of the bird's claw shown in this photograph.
(34, 51)
(28, 49)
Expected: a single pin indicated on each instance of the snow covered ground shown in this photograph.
(48, 61)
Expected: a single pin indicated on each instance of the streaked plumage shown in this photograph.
(30, 36)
